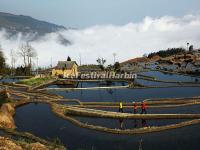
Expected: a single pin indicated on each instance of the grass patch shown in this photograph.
(4, 100)
(35, 81)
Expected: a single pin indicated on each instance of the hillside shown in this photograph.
(25, 24)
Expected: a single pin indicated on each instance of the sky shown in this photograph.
(126, 27)
(84, 13)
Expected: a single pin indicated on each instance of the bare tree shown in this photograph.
(31, 54)
(27, 52)
(2, 60)
(23, 53)
(13, 56)
(101, 62)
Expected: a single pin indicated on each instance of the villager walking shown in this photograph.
(143, 107)
(121, 107)
(135, 107)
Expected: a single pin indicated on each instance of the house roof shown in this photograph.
(65, 64)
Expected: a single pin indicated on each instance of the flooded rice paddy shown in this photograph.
(41, 121)
(171, 76)
(128, 95)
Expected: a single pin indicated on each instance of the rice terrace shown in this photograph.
(114, 83)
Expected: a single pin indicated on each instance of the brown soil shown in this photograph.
(8, 144)
(6, 116)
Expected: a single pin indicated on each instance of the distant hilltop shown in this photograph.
(15, 24)
(178, 59)
(25, 24)
(168, 54)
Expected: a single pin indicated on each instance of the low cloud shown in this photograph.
(127, 41)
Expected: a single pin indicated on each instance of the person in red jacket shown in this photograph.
(135, 107)
(143, 107)
(121, 107)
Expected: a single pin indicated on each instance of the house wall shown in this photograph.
(67, 72)
(56, 72)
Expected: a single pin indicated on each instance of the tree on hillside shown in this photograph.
(27, 52)
(109, 67)
(167, 53)
(117, 67)
(144, 55)
(101, 62)
(191, 48)
(69, 59)
(20, 71)
(13, 57)
(23, 53)
(2, 61)
(31, 54)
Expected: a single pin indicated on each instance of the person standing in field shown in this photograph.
(121, 107)
(135, 107)
(143, 107)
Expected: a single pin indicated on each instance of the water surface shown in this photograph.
(170, 77)
(39, 120)
(128, 95)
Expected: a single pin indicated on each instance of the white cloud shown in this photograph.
(128, 41)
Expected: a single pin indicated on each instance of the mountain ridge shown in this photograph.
(26, 24)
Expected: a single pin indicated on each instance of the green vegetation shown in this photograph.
(35, 81)
(69, 59)
(23, 71)
(167, 53)
(20, 71)
(2, 100)
(91, 67)
(117, 67)
(2, 60)
(3, 67)
(101, 62)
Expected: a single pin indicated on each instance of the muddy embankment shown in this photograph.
(12, 139)
(68, 112)
(8, 144)
(7, 111)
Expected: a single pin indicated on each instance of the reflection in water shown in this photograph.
(8, 80)
(144, 123)
(140, 144)
(85, 84)
(169, 76)
(127, 95)
(66, 86)
(40, 121)
(121, 124)
(110, 91)
(107, 83)
(135, 123)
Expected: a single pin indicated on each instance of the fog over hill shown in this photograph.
(26, 24)
(128, 41)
